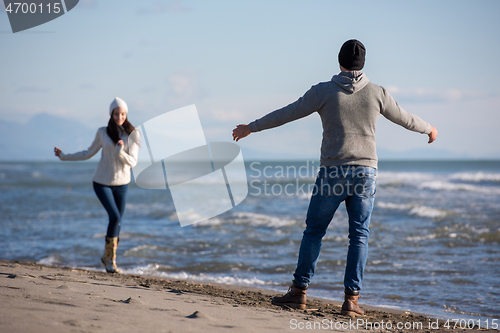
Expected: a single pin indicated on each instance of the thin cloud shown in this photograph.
(228, 115)
(32, 90)
(89, 4)
(234, 110)
(184, 87)
(172, 6)
(23, 114)
(87, 86)
(425, 96)
(128, 54)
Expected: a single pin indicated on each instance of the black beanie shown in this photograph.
(352, 55)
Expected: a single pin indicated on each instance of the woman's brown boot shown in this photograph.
(350, 306)
(109, 256)
(294, 298)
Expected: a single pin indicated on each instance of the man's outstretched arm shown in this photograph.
(242, 131)
(392, 111)
(301, 108)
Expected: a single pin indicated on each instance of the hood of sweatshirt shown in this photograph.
(351, 82)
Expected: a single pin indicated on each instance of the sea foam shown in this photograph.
(153, 270)
(414, 209)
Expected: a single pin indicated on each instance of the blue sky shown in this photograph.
(239, 60)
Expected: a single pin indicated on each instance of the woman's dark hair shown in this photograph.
(114, 131)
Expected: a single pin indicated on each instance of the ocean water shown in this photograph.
(434, 243)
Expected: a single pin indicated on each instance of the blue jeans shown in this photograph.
(356, 185)
(113, 198)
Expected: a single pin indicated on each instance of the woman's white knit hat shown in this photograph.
(117, 102)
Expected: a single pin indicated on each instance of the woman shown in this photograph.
(111, 178)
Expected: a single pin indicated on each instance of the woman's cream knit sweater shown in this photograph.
(114, 167)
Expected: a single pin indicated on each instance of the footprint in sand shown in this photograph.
(129, 300)
(199, 314)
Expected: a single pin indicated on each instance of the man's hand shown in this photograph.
(240, 132)
(433, 134)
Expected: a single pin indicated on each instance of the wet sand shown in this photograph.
(39, 298)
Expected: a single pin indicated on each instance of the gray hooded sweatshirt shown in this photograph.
(349, 106)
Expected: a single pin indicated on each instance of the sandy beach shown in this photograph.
(39, 298)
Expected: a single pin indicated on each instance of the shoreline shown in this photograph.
(42, 298)
(281, 289)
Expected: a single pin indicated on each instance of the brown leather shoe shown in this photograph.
(350, 306)
(294, 298)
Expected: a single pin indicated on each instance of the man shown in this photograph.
(348, 106)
